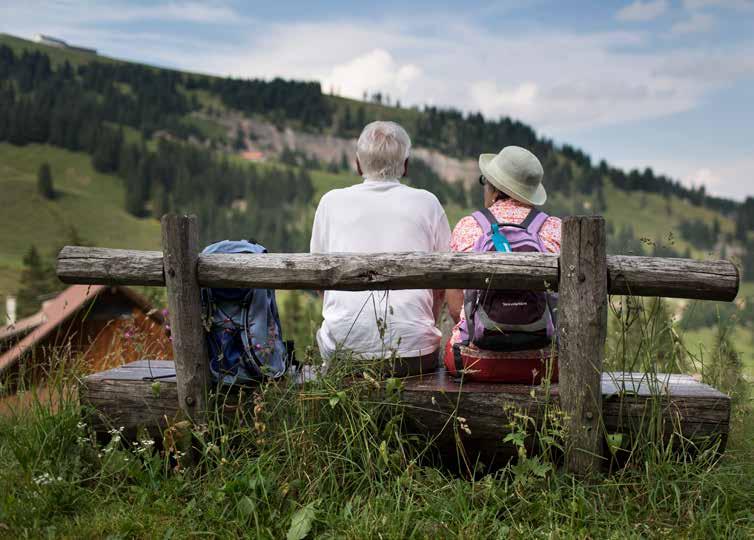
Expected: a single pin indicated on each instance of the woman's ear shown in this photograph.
(405, 168)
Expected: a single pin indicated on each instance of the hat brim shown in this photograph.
(508, 186)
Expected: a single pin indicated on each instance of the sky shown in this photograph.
(667, 84)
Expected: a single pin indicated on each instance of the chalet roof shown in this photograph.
(56, 311)
(22, 326)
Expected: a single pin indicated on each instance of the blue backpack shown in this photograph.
(244, 335)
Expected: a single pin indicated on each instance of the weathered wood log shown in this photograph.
(639, 276)
(180, 245)
(360, 271)
(121, 397)
(582, 329)
(672, 278)
(103, 266)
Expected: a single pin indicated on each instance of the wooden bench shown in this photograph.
(143, 394)
(583, 274)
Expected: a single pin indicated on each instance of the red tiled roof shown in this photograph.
(21, 327)
(58, 310)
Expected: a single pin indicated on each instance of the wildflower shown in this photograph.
(165, 312)
(43, 479)
(81, 425)
(463, 425)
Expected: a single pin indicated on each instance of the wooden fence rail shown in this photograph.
(637, 276)
(583, 274)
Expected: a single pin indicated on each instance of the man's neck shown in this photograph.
(382, 180)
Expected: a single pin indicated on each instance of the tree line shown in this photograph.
(86, 110)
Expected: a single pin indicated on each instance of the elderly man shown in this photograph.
(381, 215)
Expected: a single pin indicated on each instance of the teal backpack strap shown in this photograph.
(499, 240)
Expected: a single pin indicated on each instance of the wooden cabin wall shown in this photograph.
(110, 332)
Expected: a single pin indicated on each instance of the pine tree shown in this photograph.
(44, 182)
(37, 279)
(240, 142)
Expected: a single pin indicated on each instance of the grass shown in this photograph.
(209, 129)
(87, 200)
(702, 342)
(331, 461)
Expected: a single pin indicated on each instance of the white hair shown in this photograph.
(382, 149)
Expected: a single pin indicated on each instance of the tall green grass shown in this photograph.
(336, 459)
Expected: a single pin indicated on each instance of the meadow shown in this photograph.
(330, 460)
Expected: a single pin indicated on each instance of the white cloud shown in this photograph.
(376, 70)
(695, 23)
(639, 10)
(487, 95)
(738, 5)
(704, 177)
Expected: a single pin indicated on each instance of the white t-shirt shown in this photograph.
(373, 217)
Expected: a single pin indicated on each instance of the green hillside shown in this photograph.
(91, 202)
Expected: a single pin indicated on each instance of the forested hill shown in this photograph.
(173, 141)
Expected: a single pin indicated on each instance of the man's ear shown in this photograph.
(358, 167)
(405, 168)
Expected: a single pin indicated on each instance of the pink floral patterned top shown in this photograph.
(467, 231)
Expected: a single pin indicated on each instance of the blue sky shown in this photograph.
(662, 83)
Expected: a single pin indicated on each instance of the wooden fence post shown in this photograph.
(180, 248)
(582, 329)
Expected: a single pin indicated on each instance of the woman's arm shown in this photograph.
(454, 297)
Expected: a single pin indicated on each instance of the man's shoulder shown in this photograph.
(422, 195)
(334, 195)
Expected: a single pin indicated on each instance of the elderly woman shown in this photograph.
(510, 338)
(381, 215)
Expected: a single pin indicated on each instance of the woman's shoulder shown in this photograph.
(465, 233)
(554, 224)
(466, 223)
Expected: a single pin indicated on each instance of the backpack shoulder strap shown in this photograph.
(484, 219)
(534, 221)
(490, 227)
(533, 213)
(525, 223)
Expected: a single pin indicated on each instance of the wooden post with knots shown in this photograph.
(180, 248)
(582, 329)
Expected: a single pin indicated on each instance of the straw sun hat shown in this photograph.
(516, 172)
